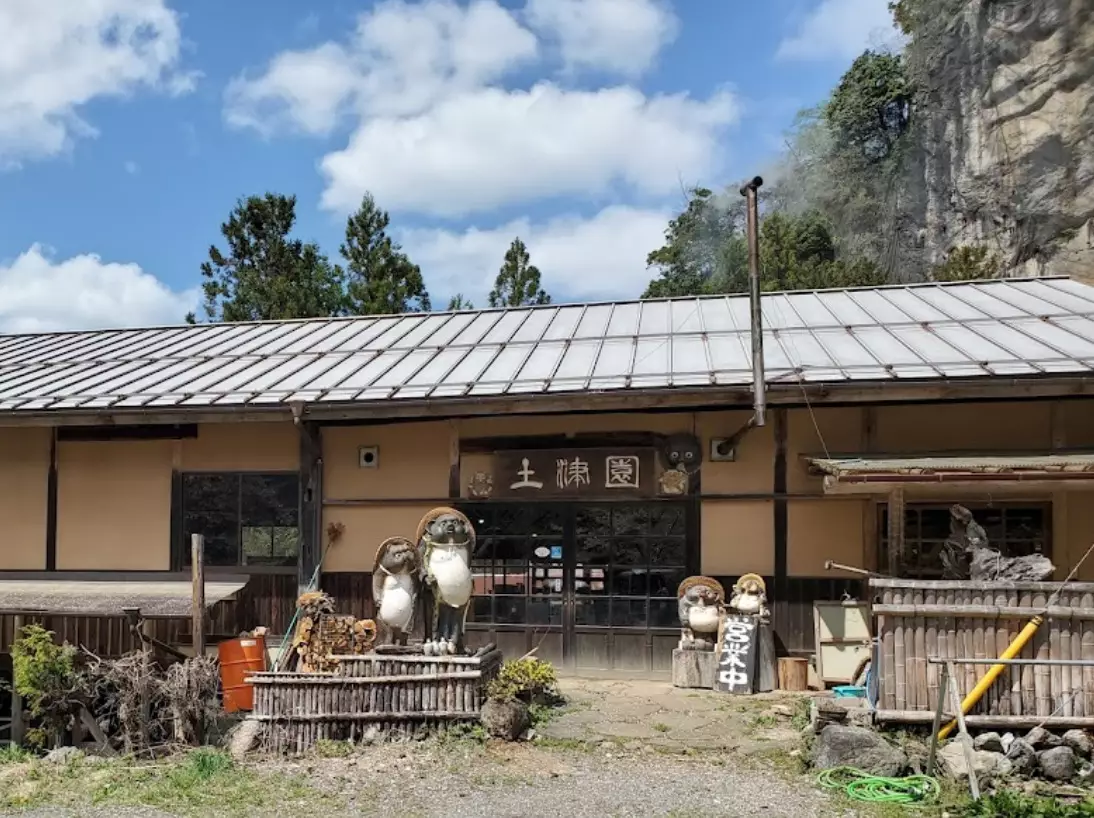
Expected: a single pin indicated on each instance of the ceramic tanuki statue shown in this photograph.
(395, 584)
(446, 541)
(701, 602)
(749, 596)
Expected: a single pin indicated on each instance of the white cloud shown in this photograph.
(600, 257)
(840, 30)
(401, 59)
(477, 151)
(58, 55)
(132, 167)
(38, 293)
(620, 36)
(437, 131)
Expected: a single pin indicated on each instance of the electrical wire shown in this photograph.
(912, 790)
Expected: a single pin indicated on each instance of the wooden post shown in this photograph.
(311, 505)
(943, 690)
(963, 737)
(18, 728)
(146, 679)
(197, 563)
(896, 531)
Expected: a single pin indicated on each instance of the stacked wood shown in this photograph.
(322, 634)
(963, 619)
(369, 697)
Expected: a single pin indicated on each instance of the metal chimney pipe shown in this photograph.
(759, 387)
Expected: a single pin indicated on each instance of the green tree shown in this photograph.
(265, 274)
(518, 281)
(967, 263)
(796, 252)
(799, 253)
(382, 280)
(458, 302)
(704, 249)
(871, 107)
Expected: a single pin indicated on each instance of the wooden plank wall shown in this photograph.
(979, 620)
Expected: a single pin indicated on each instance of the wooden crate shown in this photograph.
(370, 695)
(917, 619)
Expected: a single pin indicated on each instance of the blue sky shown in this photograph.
(128, 129)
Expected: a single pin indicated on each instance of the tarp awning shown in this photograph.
(156, 598)
(873, 470)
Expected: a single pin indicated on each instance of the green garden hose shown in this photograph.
(913, 790)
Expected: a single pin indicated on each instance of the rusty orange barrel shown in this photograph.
(238, 659)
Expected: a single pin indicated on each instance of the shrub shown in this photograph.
(528, 680)
(44, 674)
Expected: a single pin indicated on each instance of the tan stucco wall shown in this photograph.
(841, 431)
(820, 530)
(414, 461)
(964, 427)
(241, 447)
(114, 505)
(366, 528)
(24, 472)
(738, 537)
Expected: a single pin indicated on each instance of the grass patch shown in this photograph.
(14, 754)
(660, 727)
(326, 748)
(204, 782)
(462, 733)
(800, 720)
(763, 720)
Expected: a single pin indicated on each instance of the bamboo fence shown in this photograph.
(917, 619)
(370, 695)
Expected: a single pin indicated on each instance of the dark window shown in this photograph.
(1015, 530)
(247, 519)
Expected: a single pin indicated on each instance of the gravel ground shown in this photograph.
(506, 780)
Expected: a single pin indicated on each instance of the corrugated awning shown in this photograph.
(158, 599)
(864, 471)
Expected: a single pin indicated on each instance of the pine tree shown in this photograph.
(518, 281)
(382, 280)
(458, 302)
(264, 274)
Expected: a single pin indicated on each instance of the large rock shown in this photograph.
(985, 764)
(989, 742)
(1022, 756)
(1057, 764)
(1008, 89)
(842, 746)
(1041, 739)
(505, 719)
(1079, 741)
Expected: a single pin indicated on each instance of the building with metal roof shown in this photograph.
(604, 453)
(888, 335)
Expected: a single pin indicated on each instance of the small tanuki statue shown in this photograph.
(750, 597)
(701, 604)
(446, 542)
(395, 584)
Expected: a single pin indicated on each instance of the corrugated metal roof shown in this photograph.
(994, 328)
(156, 599)
(998, 465)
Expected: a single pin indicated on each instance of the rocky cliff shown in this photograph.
(1008, 130)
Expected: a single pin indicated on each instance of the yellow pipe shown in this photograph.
(989, 678)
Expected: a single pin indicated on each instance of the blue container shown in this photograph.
(849, 692)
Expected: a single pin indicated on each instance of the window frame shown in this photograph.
(180, 557)
(1045, 506)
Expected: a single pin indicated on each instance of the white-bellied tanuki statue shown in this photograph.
(749, 596)
(446, 541)
(395, 585)
(701, 604)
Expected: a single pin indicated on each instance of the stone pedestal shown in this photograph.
(694, 668)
